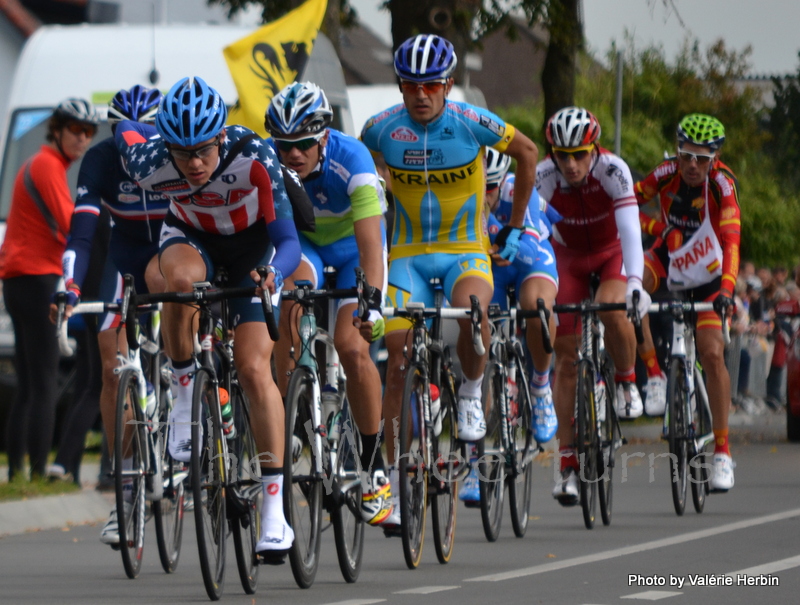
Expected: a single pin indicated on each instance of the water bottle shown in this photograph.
(600, 398)
(228, 425)
(330, 411)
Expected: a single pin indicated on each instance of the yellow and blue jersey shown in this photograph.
(438, 176)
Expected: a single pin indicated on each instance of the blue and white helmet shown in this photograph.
(425, 57)
(300, 110)
(190, 113)
(497, 165)
(139, 104)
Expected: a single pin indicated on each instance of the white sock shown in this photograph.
(182, 389)
(471, 388)
(273, 520)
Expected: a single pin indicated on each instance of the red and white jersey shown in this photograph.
(589, 223)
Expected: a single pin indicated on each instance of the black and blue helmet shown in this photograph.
(139, 104)
(190, 113)
(425, 57)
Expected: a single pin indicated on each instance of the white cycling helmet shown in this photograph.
(497, 165)
(301, 110)
(572, 127)
(79, 110)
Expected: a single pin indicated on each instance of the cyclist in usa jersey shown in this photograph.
(592, 189)
(137, 217)
(433, 148)
(219, 220)
(340, 178)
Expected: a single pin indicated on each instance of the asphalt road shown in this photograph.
(751, 534)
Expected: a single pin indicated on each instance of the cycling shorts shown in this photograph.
(656, 261)
(574, 270)
(528, 264)
(410, 277)
(237, 254)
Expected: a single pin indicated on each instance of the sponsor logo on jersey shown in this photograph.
(340, 170)
(405, 135)
(127, 186)
(728, 213)
(127, 198)
(421, 157)
(448, 133)
(614, 171)
(493, 126)
(174, 185)
(471, 114)
(724, 184)
(228, 178)
(449, 176)
(665, 169)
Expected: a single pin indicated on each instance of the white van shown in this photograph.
(96, 61)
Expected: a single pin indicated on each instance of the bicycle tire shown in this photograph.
(608, 442)
(246, 496)
(209, 470)
(449, 459)
(168, 511)
(520, 479)
(302, 494)
(491, 461)
(131, 526)
(699, 464)
(678, 434)
(348, 525)
(586, 442)
(413, 467)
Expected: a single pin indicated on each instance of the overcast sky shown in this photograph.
(770, 26)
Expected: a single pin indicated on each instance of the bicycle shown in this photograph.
(506, 452)
(687, 420)
(225, 472)
(431, 462)
(152, 474)
(322, 445)
(597, 430)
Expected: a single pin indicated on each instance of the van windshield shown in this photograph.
(26, 134)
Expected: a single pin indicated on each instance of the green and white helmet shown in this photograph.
(701, 129)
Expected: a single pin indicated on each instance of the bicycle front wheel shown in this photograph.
(699, 463)
(168, 511)
(130, 468)
(209, 471)
(413, 466)
(348, 525)
(302, 496)
(587, 442)
(608, 443)
(246, 496)
(678, 437)
(520, 479)
(448, 462)
(491, 450)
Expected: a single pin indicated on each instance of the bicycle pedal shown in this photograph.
(272, 557)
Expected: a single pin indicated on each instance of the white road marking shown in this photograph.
(358, 602)
(629, 550)
(652, 595)
(426, 589)
(768, 568)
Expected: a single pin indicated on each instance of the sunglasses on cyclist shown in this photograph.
(429, 88)
(701, 158)
(301, 144)
(184, 155)
(578, 153)
(77, 128)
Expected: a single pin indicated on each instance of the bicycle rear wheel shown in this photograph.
(587, 442)
(491, 449)
(129, 478)
(699, 464)
(209, 471)
(348, 525)
(678, 437)
(246, 496)
(413, 467)
(520, 479)
(449, 461)
(608, 442)
(168, 511)
(302, 496)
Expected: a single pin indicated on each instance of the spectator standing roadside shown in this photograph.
(30, 266)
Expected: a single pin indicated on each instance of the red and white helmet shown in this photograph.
(572, 127)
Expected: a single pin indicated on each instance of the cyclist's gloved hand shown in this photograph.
(374, 314)
(507, 242)
(73, 292)
(722, 303)
(673, 238)
(635, 283)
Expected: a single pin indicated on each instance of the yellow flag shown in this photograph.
(270, 58)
